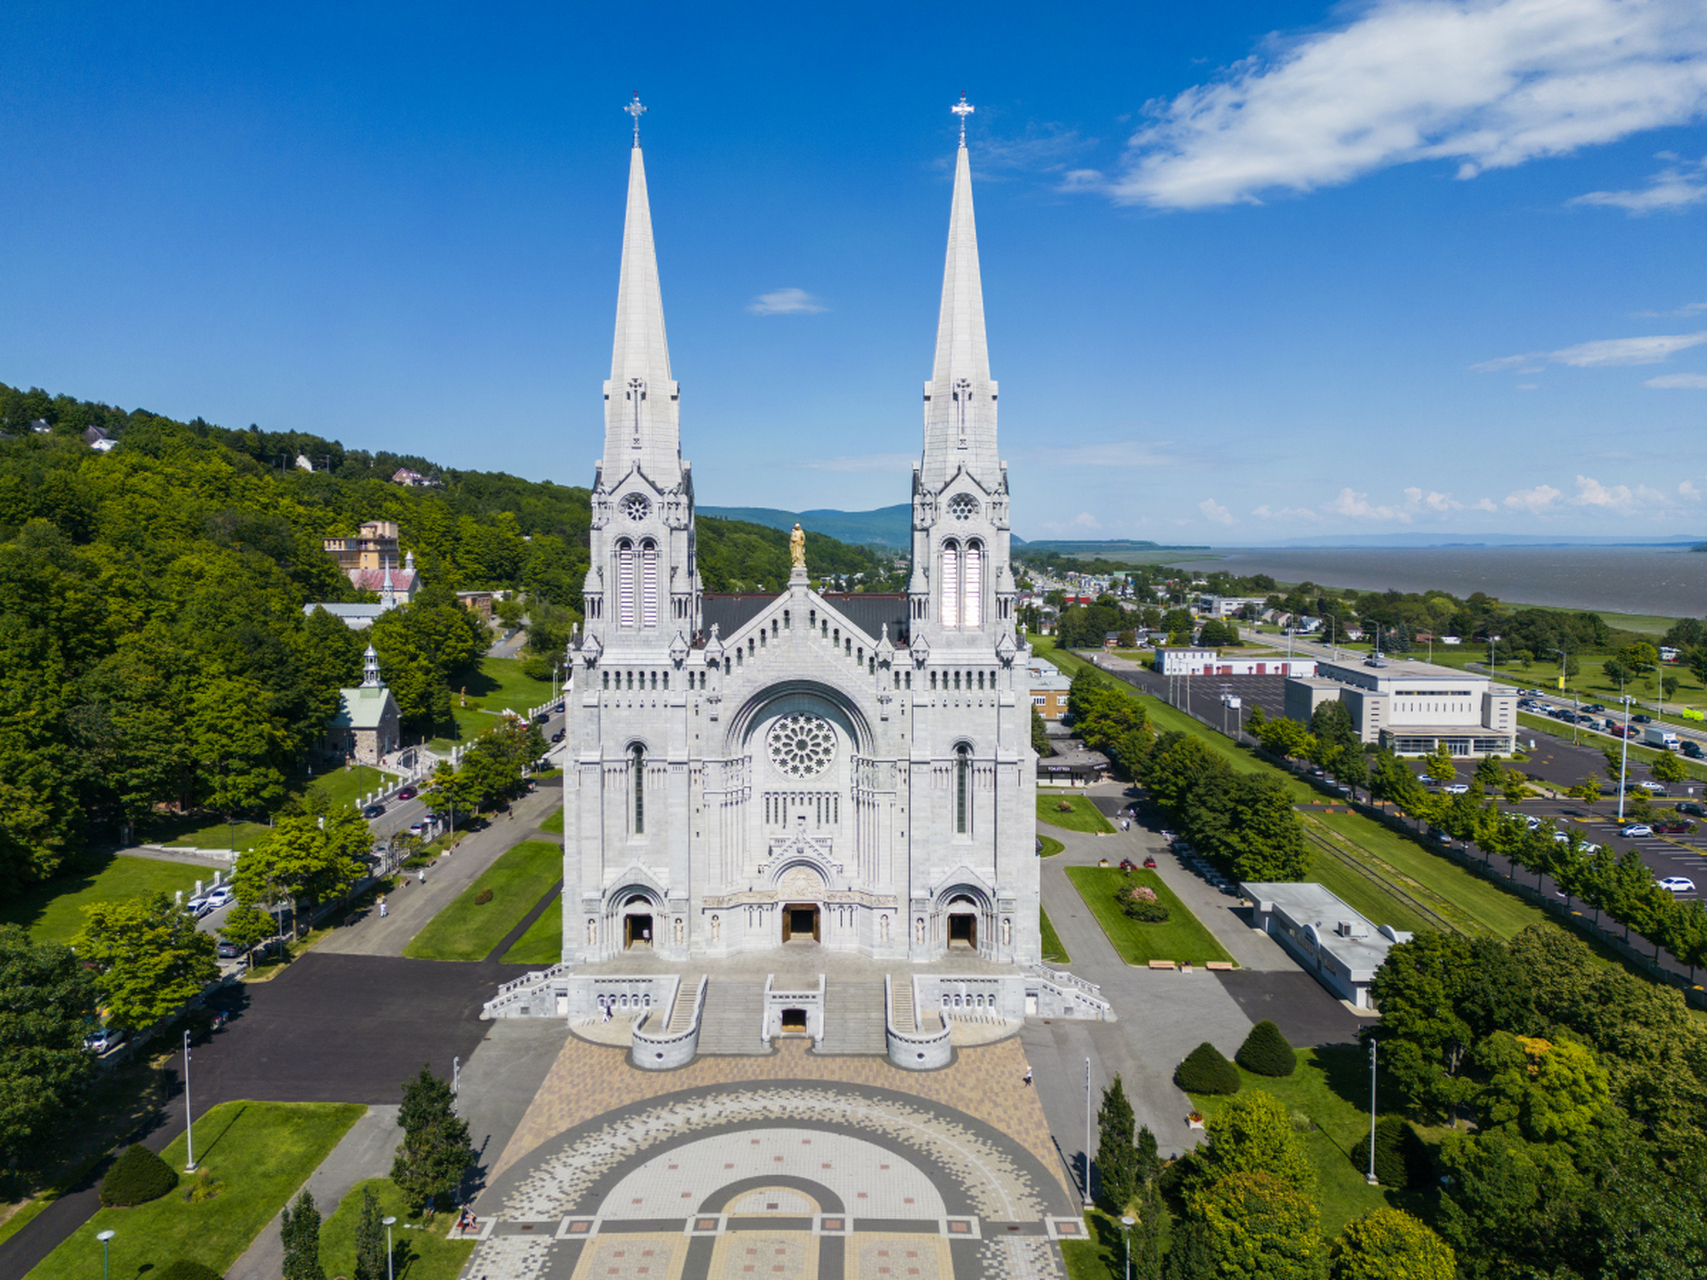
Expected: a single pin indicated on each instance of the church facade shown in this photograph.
(745, 772)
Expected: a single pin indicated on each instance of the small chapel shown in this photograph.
(749, 773)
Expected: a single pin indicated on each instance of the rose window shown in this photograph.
(635, 506)
(801, 745)
(963, 506)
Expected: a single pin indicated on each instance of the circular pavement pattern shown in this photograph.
(785, 1179)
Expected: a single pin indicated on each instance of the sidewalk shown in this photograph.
(414, 902)
(365, 1152)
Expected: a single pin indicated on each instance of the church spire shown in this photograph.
(641, 423)
(960, 398)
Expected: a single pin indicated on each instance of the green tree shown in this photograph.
(1439, 767)
(434, 1153)
(1547, 1091)
(1286, 738)
(1386, 1244)
(1266, 840)
(248, 926)
(149, 958)
(1040, 733)
(1667, 768)
(240, 750)
(1514, 786)
(370, 1240)
(1249, 1224)
(47, 1002)
(1489, 774)
(1117, 1153)
(1254, 1134)
(299, 1229)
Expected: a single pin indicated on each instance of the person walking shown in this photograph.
(1027, 1078)
(382, 908)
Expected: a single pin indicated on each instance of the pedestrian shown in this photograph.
(1027, 1079)
(382, 908)
(421, 875)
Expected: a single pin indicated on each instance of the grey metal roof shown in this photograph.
(867, 610)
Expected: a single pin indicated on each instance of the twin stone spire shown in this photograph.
(642, 401)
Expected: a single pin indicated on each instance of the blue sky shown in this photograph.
(1251, 271)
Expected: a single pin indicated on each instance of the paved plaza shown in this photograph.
(794, 1164)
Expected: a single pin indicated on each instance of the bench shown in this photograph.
(1162, 964)
(1217, 965)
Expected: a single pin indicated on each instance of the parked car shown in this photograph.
(542, 718)
(1692, 749)
(1653, 788)
(1672, 828)
(373, 810)
(1456, 788)
(210, 901)
(1642, 719)
(227, 949)
(1635, 830)
(1692, 808)
(558, 736)
(104, 1040)
(417, 828)
(1678, 884)
(408, 793)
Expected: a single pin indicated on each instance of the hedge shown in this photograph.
(1206, 1071)
(1266, 1053)
(137, 1177)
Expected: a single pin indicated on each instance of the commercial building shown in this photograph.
(1334, 943)
(1207, 662)
(1412, 708)
(1049, 689)
(1227, 606)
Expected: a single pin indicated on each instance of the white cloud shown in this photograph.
(1687, 309)
(1535, 501)
(1418, 502)
(1618, 497)
(1483, 504)
(1673, 188)
(1488, 83)
(1605, 353)
(1266, 512)
(1679, 382)
(1213, 510)
(1358, 507)
(1441, 502)
(1085, 520)
(1687, 489)
(865, 462)
(785, 302)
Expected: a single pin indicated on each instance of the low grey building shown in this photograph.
(1412, 708)
(1330, 939)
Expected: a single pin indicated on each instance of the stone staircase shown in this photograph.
(730, 1023)
(681, 1017)
(905, 1021)
(853, 1018)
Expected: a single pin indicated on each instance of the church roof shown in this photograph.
(402, 580)
(363, 708)
(867, 610)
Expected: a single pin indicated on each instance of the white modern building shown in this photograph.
(1207, 662)
(1333, 942)
(1227, 606)
(1411, 708)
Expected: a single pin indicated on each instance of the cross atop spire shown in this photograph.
(636, 110)
(962, 109)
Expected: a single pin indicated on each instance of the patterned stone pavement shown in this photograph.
(792, 1165)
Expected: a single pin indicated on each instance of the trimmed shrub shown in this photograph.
(1063, 806)
(136, 1177)
(1142, 905)
(1206, 1071)
(1401, 1157)
(1266, 1053)
(483, 897)
(184, 1269)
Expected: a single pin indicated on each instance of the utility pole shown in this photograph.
(1087, 1133)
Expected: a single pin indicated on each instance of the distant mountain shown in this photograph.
(1420, 539)
(886, 527)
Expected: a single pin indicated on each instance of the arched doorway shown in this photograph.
(637, 923)
(962, 922)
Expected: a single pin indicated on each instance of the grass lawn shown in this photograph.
(1181, 937)
(553, 822)
(1364, 895)
(542, 943)
(1081, 816)
(1051, 846)
(220, 835)
(1052, 949)
(53, 910)
(1485, 906)
(464, 931)
(1331, 1086)
(499, 685)
(261, 1152)
(346, 786)
(422, 1254)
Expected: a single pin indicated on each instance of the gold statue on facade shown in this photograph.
(797, 546)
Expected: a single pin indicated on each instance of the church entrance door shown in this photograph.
(800, 921)
(963, 930)
(636, 931)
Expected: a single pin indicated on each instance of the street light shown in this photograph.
(1492, 669)
(1624, 757)
(1371, 1177)
(189, 1120)
(1126, 1225)
(388, 1268)
(105, 1237)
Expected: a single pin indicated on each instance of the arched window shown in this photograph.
(637, 766)
(625, 583)
(649, 583)
(962, 788)
(972, 586)
(951, 584)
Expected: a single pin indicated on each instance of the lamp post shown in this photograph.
(105, 1237)
(1126, 1225)
(1624, 756)
(1493, 642)
(1087, 1133)
(189, 1121)
(1371, 1177)
(388, 1266)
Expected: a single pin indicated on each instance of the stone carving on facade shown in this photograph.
(797, 546)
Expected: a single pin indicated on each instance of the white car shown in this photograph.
(1678, 884)
(215, 898)
(1656, 788)
(1635, 830)
(1456, 788)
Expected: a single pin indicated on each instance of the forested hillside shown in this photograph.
(153, 649)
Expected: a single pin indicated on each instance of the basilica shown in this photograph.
(742, 773)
